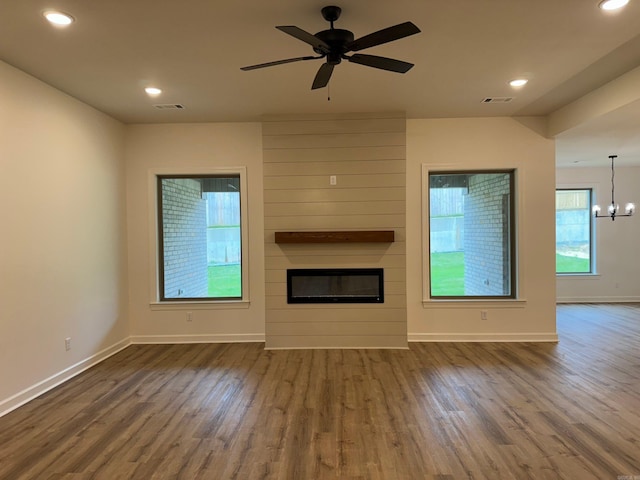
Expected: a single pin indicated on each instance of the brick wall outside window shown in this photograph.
(486, 241)
(184, 232)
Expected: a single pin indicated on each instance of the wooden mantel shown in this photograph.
(343, 236)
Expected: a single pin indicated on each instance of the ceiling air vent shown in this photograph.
(169, 106)
(497, 99)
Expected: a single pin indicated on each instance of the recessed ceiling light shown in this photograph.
(518, 82)
(58, 18)
(153, 91)
(612, 4)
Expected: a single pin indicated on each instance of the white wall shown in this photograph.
(617, 262)
(63, 242)
(481, 143)
(175, 148)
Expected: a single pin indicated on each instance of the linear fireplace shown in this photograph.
(335, 285)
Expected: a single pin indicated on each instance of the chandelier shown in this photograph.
(614, 208)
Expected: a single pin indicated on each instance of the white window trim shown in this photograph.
(154, 241)
(427, 302)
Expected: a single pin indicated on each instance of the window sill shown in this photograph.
(577, 275)
(195, 305)
(473, 303)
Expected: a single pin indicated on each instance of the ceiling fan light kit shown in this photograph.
(334, 44)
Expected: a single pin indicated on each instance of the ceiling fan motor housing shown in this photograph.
(337, 39)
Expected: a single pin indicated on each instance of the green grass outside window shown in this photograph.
(225, 281)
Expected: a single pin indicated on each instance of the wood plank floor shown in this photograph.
(436, 411)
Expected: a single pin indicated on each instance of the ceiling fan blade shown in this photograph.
(383, 63)
(383, 36)
(317, 44)
(278, 62)
(323, 76)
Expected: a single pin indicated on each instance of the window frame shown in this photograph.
(592, 237)
(156, 252)
(513, 237)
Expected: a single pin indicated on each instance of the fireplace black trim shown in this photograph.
(297, 272)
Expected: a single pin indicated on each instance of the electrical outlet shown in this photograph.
(189, 317)
(67, 343)
(483, 314)
(333, 180)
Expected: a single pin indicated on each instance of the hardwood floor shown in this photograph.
(436, 411)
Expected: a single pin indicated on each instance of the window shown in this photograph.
(471, 239)
(200, 237)
(573, 231)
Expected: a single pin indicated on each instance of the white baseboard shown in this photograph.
(598, 300)
(483, 337)
(53, 381)
(161, 339)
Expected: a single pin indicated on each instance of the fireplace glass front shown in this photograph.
(331, 285)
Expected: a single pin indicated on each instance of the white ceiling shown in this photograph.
(468, 50)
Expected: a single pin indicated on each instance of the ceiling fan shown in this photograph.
(335, 43)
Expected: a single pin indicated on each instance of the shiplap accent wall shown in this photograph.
(367, 154)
